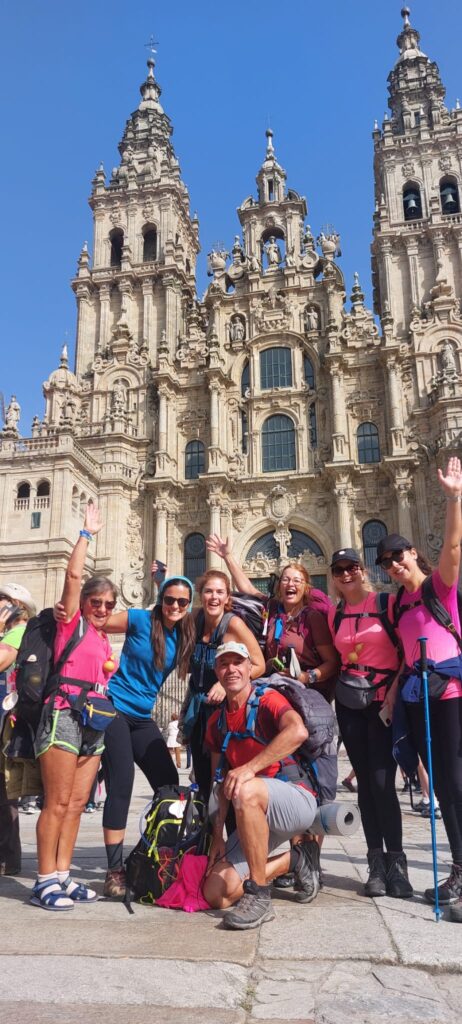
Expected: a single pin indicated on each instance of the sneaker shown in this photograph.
(398, 884)
(253, 908)
(306, 873)
(284, 881)
(90, 808)
(349, 785)
(115, 884)
(376, 884)
(449, 891)
(28, 808)
(425, 812)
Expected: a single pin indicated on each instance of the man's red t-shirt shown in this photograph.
(271, 708)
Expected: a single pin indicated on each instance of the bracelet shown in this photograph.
(454, 497)
(311, 677)
(86, 534)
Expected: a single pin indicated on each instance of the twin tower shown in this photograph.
(274, 410)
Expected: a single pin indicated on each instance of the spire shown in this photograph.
(145, 147)
(416, 90)
(150, 90)
(64, 360)
(409, 39)
(271, 177)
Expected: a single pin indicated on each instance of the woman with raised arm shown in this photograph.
(157, 641)
(214, 621)
(363, 634)
(296, 621)
(68, 746)
(422, 590)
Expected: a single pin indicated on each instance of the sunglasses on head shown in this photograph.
(97, 603)
(182, 602)
(340, 570)
(396, 556)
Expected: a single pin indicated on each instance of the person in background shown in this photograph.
(172, 740)
(408, 568)
(16, 608)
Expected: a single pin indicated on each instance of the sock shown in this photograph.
(47, 878)
(54, 886)
(115, 856)
(62, 876)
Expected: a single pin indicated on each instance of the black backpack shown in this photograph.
(152, 865)
(433, 605)
(37, 677)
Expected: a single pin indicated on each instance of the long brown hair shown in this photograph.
(215, 574)
(187, 636)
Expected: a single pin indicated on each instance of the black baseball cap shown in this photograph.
(346, 555)
(393, 542)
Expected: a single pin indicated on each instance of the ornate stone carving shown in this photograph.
(273, 312)
(408, 169)
(279, 504)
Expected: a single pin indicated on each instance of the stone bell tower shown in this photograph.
(417, 273)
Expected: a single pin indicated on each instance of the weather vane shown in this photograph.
(151, 45)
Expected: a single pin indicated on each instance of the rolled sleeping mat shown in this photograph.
(336, 819)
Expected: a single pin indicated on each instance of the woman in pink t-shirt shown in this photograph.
(369, 659)
(70, 750)
(408, 569)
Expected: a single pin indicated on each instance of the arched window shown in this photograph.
(244, 433)
(368, 443)
(301, 542)
(312, 425)
(117, 240)
(43, 489)
(412, 203)
(308, 371)
(75, 500)
(149, 245)
(269, 548)
(245, 378)
(275, 368)
(23, 491)
(449, 194)
(83, 503)
(278, 444)
(194, 460)
(194, 555)
(265, 545)
(373, 531)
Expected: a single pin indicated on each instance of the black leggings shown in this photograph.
(368, 743)
(130, 741)
(446, 734)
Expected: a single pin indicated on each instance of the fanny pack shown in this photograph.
(95, 712)
(357, 691)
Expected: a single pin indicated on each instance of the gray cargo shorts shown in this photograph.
(291, 809)
(63, 729)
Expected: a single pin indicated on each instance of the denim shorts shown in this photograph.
(63, 729)
(291, 810)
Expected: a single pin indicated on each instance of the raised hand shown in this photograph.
(218, 545)
(93, 521)
(451, 483)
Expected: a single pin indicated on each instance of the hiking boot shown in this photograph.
(450, 891)
(306, 872)
(455, 912)
(115, 884)
(284, 881)
(252, 909)
(376, 884)
(398, 884)
(425, 812)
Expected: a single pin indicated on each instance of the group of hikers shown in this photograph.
(359, 649)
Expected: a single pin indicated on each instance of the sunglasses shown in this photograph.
(182, 602)
(340, 570)
(97, 603)
(396, 556)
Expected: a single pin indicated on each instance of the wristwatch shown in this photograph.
(311, 677)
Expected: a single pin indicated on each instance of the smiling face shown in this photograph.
(96, 608)
(292, 588)
(349, 579)
(214, 596)
(233, 672)
(176, 600)
(401, 566)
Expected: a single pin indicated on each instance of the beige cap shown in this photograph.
(20, 595)
(232, 647)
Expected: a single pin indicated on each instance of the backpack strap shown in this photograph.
(383, 601)
(437, 609)
(249, 732)
(54, 680)
(339, 615)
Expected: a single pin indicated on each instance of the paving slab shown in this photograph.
(100, 1013)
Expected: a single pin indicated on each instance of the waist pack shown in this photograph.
(176, 822)
(97, 712)
(356, 691)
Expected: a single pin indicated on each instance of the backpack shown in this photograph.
(37, 677)
(253, 611)
(433, 605)
(317, 754)
(170, 831)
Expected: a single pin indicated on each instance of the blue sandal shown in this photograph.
(49, 895)
(79, 893)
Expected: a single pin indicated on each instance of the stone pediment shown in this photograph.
(272, 312)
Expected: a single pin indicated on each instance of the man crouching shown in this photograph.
(270, 794)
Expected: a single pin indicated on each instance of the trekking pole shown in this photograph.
(428, 741)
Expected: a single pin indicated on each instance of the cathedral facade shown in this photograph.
(274, 410)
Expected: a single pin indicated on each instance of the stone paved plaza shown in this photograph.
(342, 959)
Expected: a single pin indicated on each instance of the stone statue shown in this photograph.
(236, 329)
(448, 361)
(273, 252)
(119, 397)
(311, 319)
(12, 415)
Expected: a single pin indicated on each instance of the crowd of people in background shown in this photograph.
(358, 648)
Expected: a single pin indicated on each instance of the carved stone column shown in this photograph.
(412, 252)
(338, 413)
(160, 534)
(163, 419)
(84, 346)
(147, 311)
(403, 488)
(396, 419)
(214, 504)
(214, 415)
(342, 494)
(104, 314)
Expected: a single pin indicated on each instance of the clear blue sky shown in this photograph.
(70, 76)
